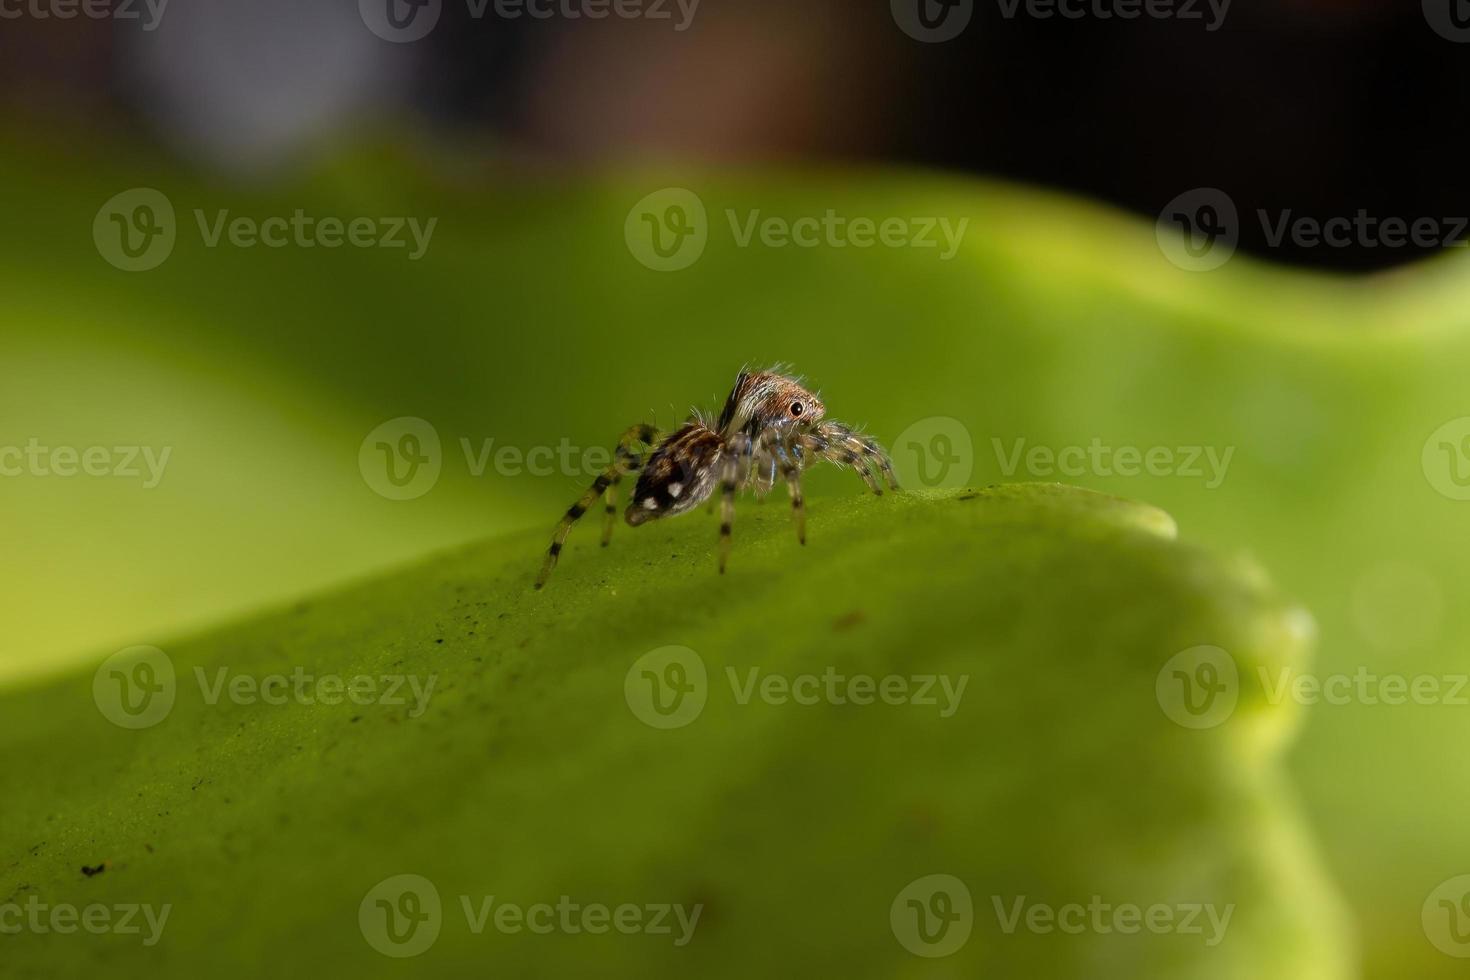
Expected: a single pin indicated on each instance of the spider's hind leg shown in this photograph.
(624, 461)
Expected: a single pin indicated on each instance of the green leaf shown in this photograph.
(1048, 773)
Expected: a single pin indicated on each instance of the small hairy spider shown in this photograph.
(770, 423)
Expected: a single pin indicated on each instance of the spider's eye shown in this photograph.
(796, 408)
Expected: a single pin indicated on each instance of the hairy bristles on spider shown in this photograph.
(770, 424)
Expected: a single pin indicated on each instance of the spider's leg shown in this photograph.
(875, 453)
(790, 456)
(834, 448)
(765, 470)
(624, 461)
(645, 434)
(730, 478)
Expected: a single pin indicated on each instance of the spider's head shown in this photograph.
(769, 400)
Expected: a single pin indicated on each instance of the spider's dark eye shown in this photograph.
(796, 408)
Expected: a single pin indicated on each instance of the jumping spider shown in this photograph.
(769, 423)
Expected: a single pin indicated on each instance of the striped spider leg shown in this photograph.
(624, 461)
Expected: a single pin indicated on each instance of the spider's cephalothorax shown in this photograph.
(769, 424)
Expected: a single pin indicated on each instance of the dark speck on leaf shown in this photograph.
(93, 872)
(969, 496)
(848, 620)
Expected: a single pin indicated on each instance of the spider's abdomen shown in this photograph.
(680, 473)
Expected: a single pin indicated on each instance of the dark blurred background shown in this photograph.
(1323, 107)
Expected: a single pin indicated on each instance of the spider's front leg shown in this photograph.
(624, 461)
(839, 444)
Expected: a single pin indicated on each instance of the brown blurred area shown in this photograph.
(1323, 107)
